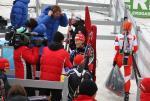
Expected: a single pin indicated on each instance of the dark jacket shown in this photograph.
(40, 29)
(53, 60)
(51, 23)
(19, 13)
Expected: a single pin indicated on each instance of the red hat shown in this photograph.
(145, 85)
(127, 26)
(4, 63)
(80, 37)
(78, 59)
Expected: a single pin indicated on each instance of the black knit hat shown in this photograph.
(88, 87)
(58, 37)
(31, 23)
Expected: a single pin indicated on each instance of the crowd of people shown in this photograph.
(44, 51)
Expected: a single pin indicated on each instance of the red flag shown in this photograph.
(87, 20)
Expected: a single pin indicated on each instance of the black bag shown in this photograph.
(76, 76)
(115, 81)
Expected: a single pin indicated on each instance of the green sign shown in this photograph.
(139, 8)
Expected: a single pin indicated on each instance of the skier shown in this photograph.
(80, 46)
(126, 46)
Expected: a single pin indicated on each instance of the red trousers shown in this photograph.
(127, 69)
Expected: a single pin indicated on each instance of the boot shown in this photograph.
(126, 98)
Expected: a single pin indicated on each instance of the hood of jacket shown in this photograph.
(24, 1)
(55, 46)
(79, 23)
(46, 9)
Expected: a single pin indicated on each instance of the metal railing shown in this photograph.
(93, 7)
(43, 84)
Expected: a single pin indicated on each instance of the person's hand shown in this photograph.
(114, 63)
(34, 33)
(62, 14)
(69, 28)
(50, 13)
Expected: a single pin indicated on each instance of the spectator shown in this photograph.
(24, 58)
(33, 26)
(145, 89)
(17, 93)
(79, 26)
(52, 17)
(38, 39)
(19, 13)
(87, 91)
(54, 58)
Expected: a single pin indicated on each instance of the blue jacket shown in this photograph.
(40, 29)
(51, 23)
(19, 13)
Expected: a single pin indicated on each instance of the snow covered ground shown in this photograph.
(105, 50)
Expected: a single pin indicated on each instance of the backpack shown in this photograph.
(76, 76)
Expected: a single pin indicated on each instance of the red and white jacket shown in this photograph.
(22, 56)
(132, 45)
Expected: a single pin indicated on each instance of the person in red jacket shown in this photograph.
(125, 46)
(24, 58)
(53, 60)
(145, 89)
(87, 91)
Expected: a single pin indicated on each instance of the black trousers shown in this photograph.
(56, 94)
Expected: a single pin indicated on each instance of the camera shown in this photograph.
(17, 39)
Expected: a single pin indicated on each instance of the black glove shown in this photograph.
(114, 63)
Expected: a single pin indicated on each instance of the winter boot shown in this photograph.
(126, 97)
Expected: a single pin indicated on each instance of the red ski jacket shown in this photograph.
(53, 60)
(22, 56)
(145, 85)
(145, 96)
(145, 89)
(84, 98)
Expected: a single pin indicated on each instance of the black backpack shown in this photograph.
(76, 76)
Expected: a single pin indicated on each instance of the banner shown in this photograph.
(139, 8)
